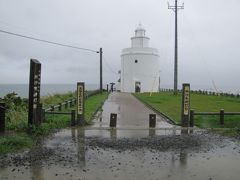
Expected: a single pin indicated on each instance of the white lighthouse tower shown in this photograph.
(139, 65)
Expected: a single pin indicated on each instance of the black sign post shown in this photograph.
(2, 117)
(185, 105)
(80, 103)
(34, 92)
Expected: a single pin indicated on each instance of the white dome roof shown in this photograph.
(140, 28)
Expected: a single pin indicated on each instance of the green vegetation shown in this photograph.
(92, 104)
(16, 119)
(16, 116)
(14, 142)
(16, 112)
(170, 105)
(56, 99)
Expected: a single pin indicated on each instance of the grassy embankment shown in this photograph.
(170, 105)
(16, 120)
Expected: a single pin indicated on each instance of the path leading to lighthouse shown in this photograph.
(130, 111)
(132, 118)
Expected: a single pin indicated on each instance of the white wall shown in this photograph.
(146, 70)
(140, 42)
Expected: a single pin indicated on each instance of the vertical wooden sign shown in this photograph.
(2, 117)
(34, 91)
(185, 104)
(80, 102)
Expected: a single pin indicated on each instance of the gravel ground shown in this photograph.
(203, 141)
(68, 156)
(195, 143)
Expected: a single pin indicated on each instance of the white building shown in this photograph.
(139, 65)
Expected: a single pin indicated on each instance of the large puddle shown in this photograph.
(75, 154)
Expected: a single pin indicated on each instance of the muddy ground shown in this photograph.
(74, 154)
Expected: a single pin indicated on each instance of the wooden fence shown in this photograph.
(221, 115)
(56, 109)
(203, 92)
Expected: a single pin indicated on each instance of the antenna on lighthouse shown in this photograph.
(175, 8)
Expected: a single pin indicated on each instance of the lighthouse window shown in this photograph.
(136, 61)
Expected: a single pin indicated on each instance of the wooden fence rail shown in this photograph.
(50, 110)
(221, 115)
(70, 102)
(209, 93)
(56, 109)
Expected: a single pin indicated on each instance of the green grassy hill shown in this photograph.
(170, 105)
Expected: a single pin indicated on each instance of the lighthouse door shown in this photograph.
(137, 86)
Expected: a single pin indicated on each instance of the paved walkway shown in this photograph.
(131, 114)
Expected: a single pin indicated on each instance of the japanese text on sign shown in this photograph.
(80, 99)
(186, 100)
(36, 88)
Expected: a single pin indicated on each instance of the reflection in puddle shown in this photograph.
(81, 148)
(77, 154)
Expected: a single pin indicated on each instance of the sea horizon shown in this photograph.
(21, 89)
(46, 89)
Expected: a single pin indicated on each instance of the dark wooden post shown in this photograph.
(38, 119)
(80, 103)
(222, 116)
(73, 113)
(191, 118)
(34, 90)
(101, 81)
(152, 120)
(66, 104)
(2, 117)
(107, 87)
(43, 115)
(52, 107)
(185, 105)
(113, 120)
(60, 107)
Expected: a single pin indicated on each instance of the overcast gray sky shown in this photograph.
(209, 36)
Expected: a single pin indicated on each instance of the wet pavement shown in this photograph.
(129, 152)
(130, 113)
(132, 116)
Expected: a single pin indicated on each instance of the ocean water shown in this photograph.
(22, 89)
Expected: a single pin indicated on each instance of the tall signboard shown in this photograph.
(2, 116)
(80, 102)
(34, 91)
(185, 104)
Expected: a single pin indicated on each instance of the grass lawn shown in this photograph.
(170, 105)
(14, 142)
(92, 104)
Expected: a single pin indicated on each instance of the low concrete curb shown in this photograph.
(156, 111)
